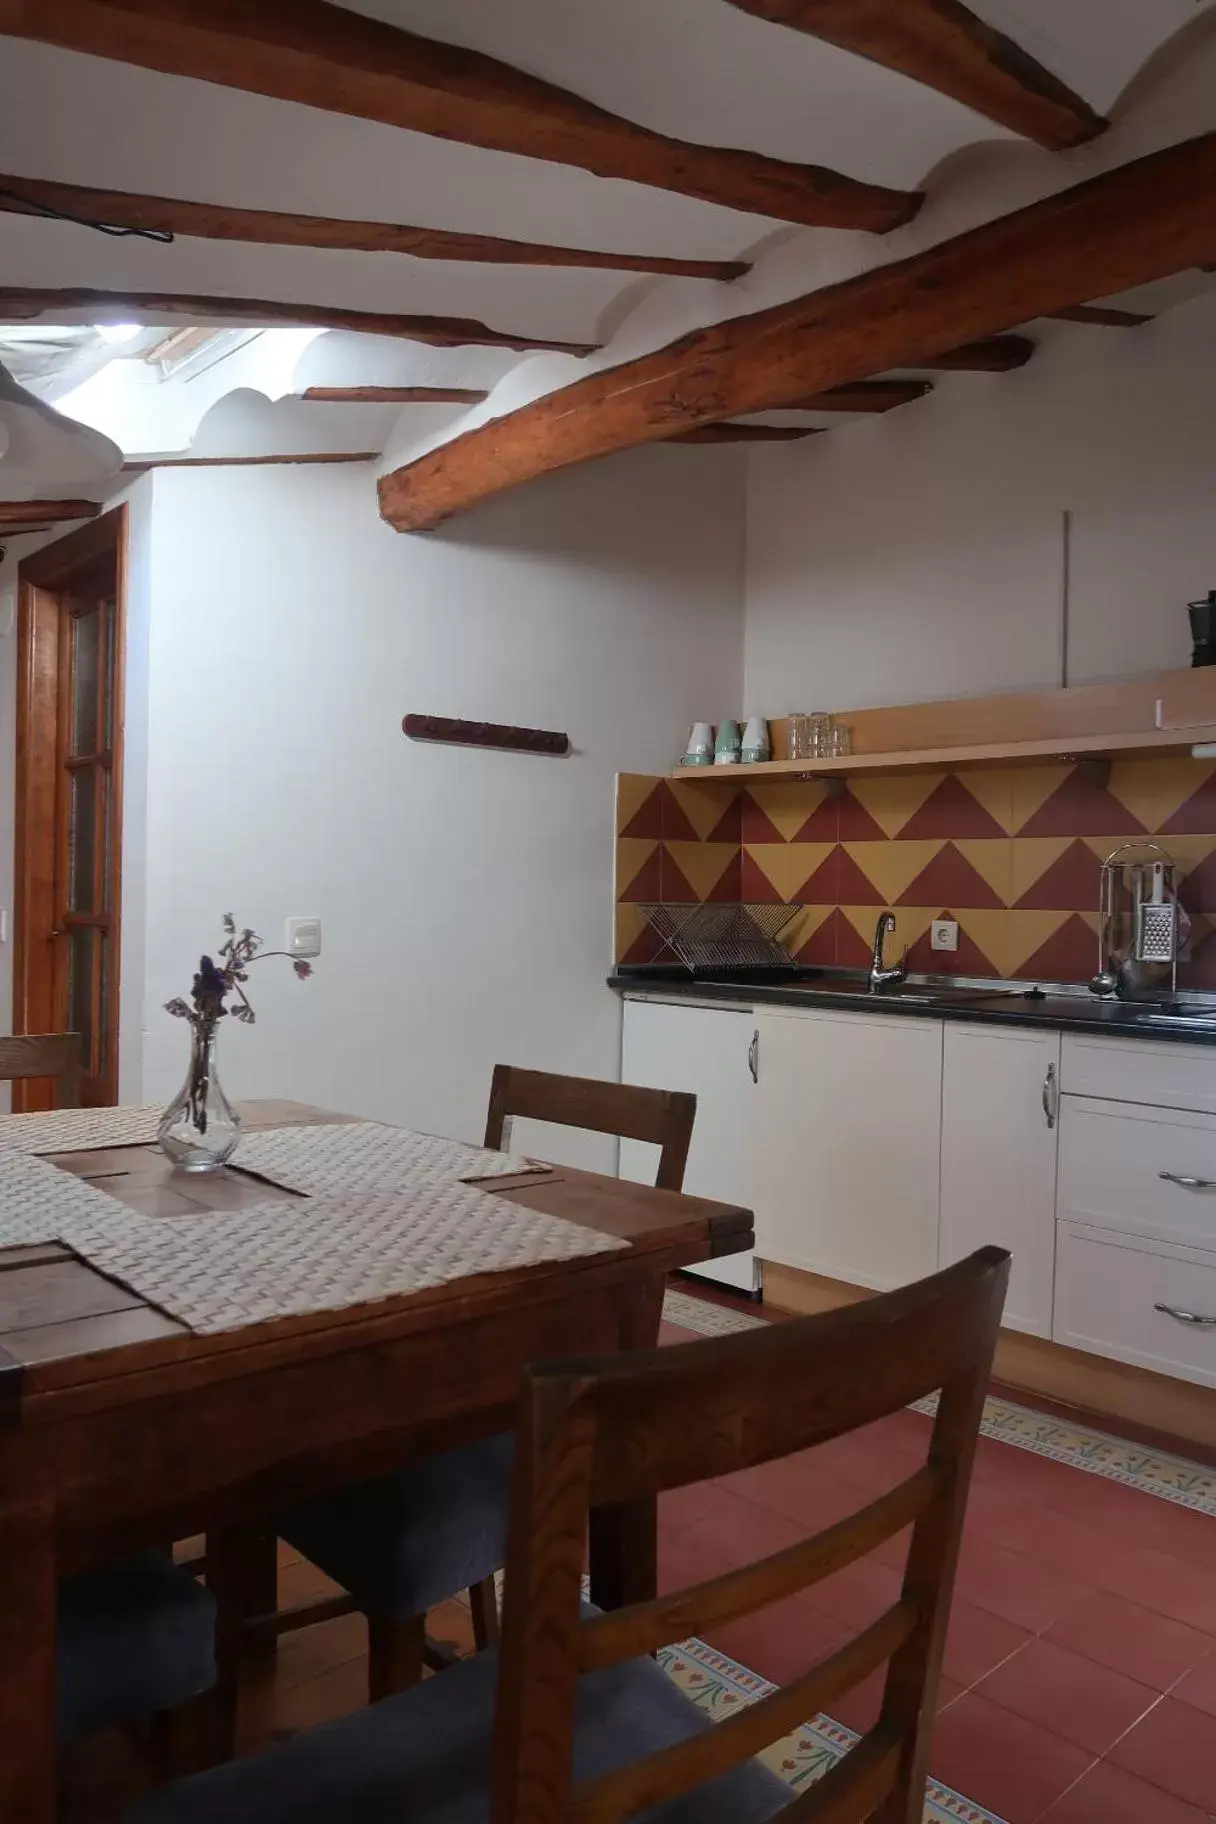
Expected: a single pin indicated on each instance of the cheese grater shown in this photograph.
(1157, 922)
(1141, 927)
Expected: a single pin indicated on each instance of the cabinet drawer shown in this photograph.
(1107, 1288)
(1113, 1157)
(1136, 1070)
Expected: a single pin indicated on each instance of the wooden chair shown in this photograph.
(662, 1116)
(54, 1054)
(408, 1541)
(574, 1724)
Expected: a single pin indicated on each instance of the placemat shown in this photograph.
(358, 1158)
(79, 1130)
(287, 1259)
(40, 1203)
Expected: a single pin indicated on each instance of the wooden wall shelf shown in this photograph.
(1166, 714)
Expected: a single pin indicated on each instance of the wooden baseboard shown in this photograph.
(1092, 1385)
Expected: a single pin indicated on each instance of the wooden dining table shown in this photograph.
(120, 1428)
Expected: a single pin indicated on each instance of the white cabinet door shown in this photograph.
(705, 1050)
(1000, 1103)
(846, 1144)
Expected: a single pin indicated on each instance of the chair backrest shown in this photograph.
(629, 1427)
(662, 1116)
(51, 1054)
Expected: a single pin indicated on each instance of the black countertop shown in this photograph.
(994, 1006)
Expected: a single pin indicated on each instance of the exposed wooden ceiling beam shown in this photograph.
(328, 57)
(1104, 314)
(396, 395)
(862, 396)
(45, 512)
(745, 433)
(270, 228)
(22, 303)
(990, 355)
(1124, 228)
(942, 44)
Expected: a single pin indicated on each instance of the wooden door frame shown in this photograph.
(42, 577)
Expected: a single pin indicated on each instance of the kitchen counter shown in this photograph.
(996, 1005)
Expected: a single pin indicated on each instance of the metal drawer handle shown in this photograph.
(1188, 1183)
(1187, 1317)
(753, 1056)
(1051, 1096)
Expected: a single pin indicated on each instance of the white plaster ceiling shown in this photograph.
(697, 69)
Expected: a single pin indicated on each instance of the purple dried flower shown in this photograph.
(215, 981)
(302, 969)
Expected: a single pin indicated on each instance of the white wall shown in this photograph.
(466, 895)
(920, 554)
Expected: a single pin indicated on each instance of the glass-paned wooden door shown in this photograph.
(86, 858)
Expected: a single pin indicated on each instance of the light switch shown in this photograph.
(303, 937)
(3, 924)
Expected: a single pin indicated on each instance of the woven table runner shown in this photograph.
(80, 1130)
(359, 1158)
(287, 1259)
(40, 1203)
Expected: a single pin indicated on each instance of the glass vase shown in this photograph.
(200, 1129)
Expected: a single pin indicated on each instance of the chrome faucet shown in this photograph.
(881, 975)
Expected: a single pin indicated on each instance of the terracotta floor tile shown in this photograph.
(1198, 1688)
(1144, 1518)
(1002, 1761)
(859, 1594)
(977, 1641)
(781, 1642)
(1131, 1639)
(1173, 1746)
(743, 1531)
(1073, 1697)
(1167, 1585)
(858, 1708)
(1108, 1795)
(684, 1560)
(1016, 1585)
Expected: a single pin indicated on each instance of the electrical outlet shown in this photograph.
(944, 934)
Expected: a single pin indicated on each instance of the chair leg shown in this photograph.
(395, 1647)
(483, 1601)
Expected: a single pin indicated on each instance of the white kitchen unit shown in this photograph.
(846, 1138)
(668, 1045)
(1000, 1111)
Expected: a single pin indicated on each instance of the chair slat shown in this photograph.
(52, 1055)
(629, 1633)
(663, 1117)
(690, 1763)
(854, 1786)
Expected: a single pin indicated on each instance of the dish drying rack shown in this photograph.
(704, 937)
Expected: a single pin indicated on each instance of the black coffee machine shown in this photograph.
(1203, 629)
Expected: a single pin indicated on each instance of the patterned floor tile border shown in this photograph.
(1153, 1472)
(719, 1685)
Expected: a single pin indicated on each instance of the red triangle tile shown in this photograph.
(1078, 807)
(647, 883)
(823, 824)
(949, 879)
(855, 823)
(821, 888)
(755, 887)
(951, 811)
(676, 890)
(1069, 955)
(1070, 884)
(729, 827)
(646, 947)
(660, 815)
(728, 888)
(854, 888)
(1196, 815)
(1199, 969)
(820, 947)
(968, 959)
(852, 950)
(757, 825)
(1198, 891)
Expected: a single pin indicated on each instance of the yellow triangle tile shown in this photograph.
(632, 791)
(1030, 858)
(911, 923)
(891, 798)
(991, 786)
(703, 802)
(1008, 939)
(631, 854)
(1032, 786)
(629, 925)
(892, 866)
(802, 928)
(992, 859)
(787, 865)
(787, 807)
(702, 863)
(1153, 789)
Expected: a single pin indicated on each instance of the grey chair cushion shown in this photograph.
(424, 1756)
(134, 1638)
(412, 1539)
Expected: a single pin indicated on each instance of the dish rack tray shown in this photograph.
(723, 936)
